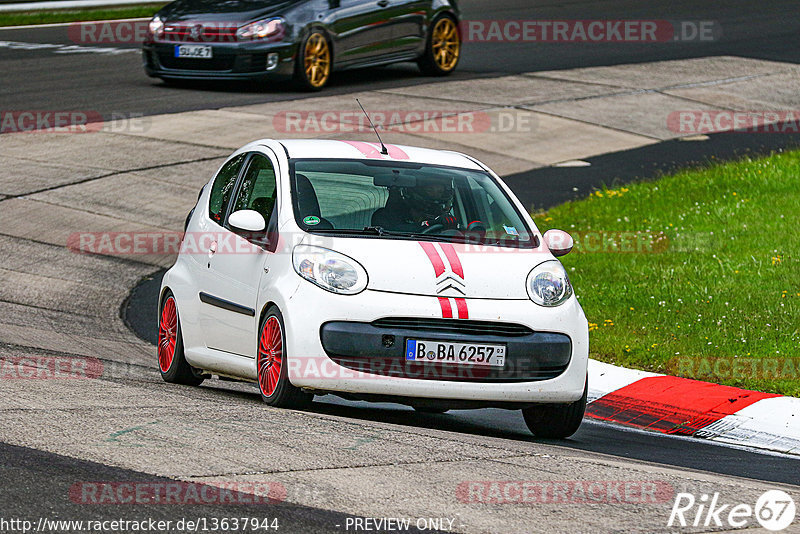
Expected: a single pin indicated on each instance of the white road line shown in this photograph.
(59, 24)
(69, 4)
(66, 49)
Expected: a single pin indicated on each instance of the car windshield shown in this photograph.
(404, 201)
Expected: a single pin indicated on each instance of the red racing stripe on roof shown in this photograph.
(394, 152)
(366, 149)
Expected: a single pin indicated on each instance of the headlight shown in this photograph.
(548, 284)
(329, 270)
(271, 29)
(156, 26)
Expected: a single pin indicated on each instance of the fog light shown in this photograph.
(387, 340)
(272, 61)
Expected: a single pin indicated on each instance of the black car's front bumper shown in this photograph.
(229, 61)
(379, 348)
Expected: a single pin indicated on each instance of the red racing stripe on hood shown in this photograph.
(433, 256)
(452, 257)
(447, 310)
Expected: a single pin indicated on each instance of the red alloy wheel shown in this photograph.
(270, 356)
(167, 334)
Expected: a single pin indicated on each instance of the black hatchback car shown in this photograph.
(300, 39)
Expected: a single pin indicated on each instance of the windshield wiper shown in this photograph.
(367, 230)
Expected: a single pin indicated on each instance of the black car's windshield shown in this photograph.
(404, 200)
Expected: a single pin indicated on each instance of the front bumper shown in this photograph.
(551, 369)
(379, 348)
(229, 61)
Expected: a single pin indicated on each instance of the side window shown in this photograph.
(259, 189)
(223, 188)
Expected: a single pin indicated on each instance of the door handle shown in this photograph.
(212, 249)
(383, 3)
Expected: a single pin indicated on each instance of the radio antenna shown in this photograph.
(383, 147)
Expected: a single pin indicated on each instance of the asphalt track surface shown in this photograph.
(115, 83)
(43, 482)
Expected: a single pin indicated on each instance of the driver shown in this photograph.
(416, 208)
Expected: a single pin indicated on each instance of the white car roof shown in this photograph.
(333, 149)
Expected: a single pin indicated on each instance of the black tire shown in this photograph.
(431, 409)
(281, 394)
(302, 80)
(428, 63)
(556, 421)
(174, 369)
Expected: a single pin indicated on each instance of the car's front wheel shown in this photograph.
(314, 62)
(171, 360)
(273, 371)
(556, 421)
(443, 48)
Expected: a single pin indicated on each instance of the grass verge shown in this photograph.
(696, 274)
(23, 18)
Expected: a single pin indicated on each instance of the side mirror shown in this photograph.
(558, 241)
(247, 221)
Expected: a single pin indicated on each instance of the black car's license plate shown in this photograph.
(193, 51)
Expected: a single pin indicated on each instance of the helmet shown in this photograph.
(432, 196)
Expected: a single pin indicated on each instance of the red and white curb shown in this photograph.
(682, 406)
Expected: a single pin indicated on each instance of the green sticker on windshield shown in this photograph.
(311, 220)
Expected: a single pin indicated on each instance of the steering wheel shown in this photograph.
(476, 226)
(433, 228)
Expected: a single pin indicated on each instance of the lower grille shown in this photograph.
(181, 63)
(461, 326)
(379, 348)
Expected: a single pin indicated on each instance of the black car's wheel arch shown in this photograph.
(307, 30)
(447, 9)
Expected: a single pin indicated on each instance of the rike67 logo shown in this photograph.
(774, 510)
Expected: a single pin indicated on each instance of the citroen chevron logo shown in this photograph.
(448, 288)
(449, 278)
(449, 283)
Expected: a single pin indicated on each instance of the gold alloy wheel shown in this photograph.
(446, 44)
(317, 60)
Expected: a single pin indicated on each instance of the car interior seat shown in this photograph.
(307, 202)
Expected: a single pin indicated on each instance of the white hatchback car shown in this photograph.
(377, 273)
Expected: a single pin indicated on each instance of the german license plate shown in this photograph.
(426, 350)
(193, 51)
